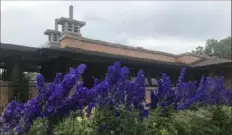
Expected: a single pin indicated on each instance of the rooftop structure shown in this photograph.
(70, 27)
(70, 38)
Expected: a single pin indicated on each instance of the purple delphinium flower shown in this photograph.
(116, 89)
(140, 88)
(121, 85)
(19, 129)
(166, 83)
(40, 84)
(113, 73)
(190, 101)
(160, 89)
(198, 95)
(96, 82)
(166, 95)
(61, 88)
(181, 77)
(11, 117)
(58, 78)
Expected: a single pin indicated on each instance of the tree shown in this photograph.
(221, 49)
(210, 43)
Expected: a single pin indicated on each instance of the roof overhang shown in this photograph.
(49, 31)
(62, 20)
(45, 54)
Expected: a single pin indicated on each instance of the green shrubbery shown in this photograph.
(214, 120)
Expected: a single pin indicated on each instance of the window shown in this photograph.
(49, 38)
(55, 37)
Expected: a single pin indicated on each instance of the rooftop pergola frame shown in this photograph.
(49, 61)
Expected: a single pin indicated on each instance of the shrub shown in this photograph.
(210, 120)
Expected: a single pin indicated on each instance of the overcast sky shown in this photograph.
(171, 26)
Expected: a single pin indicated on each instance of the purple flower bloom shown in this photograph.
(58, 78)
(11, 116)
(40, 85)
(181, 77)
(96, 82)
(19, 129)
(154, 99)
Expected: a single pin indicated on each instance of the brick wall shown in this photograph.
(5, 91)
(89, 46)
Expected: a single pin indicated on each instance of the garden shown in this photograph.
(117, 106)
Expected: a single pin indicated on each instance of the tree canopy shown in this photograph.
(221, 49)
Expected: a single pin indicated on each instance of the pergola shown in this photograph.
(49, 61)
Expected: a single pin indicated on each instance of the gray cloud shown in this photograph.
(178, 26)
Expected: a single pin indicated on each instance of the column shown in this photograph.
(65, 26)
(18, 84)
(73, 28)
(148, 78)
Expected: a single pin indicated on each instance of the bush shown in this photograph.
(212, 120)
(125, 123)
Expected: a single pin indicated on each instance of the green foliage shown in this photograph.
(210, 43)
(222, 118)
(39, 127)
(127, 123)
(158, 124)
(193, 122)
(222, 48)
(75, 126)
(205, 121)
(214, 120)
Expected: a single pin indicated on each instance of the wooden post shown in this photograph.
(148, 78)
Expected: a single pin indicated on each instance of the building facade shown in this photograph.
(68, 48)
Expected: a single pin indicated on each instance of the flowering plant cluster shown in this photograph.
(207, 92)
(54, 101)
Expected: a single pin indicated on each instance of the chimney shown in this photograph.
(56, 25)
(71, 12)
